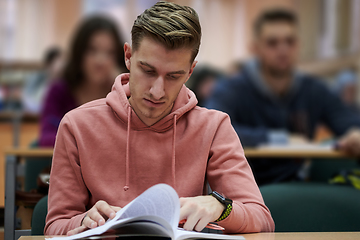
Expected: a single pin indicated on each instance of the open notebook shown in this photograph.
(154, 213)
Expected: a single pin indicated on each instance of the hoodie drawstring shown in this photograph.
(173, 152)
(126, 187)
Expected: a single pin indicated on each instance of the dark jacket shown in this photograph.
(257, 114)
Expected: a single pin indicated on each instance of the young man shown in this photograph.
(271, 102)
(148, 130)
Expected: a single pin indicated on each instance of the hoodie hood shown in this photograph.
(117, 99)
(252, 68)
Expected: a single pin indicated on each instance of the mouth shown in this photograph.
(151, 103)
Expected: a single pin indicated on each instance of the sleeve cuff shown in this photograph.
(278, 137)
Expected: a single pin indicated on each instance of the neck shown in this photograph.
(278, 83)
(149, 121)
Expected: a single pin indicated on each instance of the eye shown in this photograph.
(173, 77)
(91, 50)
(149, 72)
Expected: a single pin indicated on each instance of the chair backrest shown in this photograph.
(322, 169)
(39, 216)
(313, 207)
(33, 167)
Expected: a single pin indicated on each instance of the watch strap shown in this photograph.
(226, 202)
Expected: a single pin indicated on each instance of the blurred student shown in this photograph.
(234, 68)
(202, 82)
(96, 57)
(346, 88)
(36, 84)
(270, 101)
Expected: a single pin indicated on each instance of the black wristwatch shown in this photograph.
(226, 202)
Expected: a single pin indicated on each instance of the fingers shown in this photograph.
(350, 143)
(104, 208)
(201, 224)
(93, 219)
(116, 209)
(191, 222)
(196, 215)
(186, 208)
(98, 214)
(350, 146)
(76, 230)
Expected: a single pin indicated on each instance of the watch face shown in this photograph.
(218, 196)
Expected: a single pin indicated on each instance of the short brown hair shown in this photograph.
(274, 16)
(172, 25)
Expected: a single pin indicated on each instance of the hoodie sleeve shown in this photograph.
(229, 173)
(335, 114)
(68, 195)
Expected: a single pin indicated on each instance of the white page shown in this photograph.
(183, 234)
(297, 146)
(160, 201)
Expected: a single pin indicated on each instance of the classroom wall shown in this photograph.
(29, 27)
(227, 25)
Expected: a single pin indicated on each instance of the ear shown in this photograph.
(128, 53)
(191, 70)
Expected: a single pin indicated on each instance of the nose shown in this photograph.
(157, 89)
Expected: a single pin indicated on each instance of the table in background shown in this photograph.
(276, 236)
(13, 156)
(285, 152)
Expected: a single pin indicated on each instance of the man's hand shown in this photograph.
(96, 216)
(199, 211)
(350, 142)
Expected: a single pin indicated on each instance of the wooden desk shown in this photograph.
(294, 153)
(277, 236)
(249, 153)
(28, 152)
(24, 116)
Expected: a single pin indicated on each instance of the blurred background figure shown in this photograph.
(346, 88)
(270, 102)
(37, 83)
(202, 82)
(234, 68)
(95, 58)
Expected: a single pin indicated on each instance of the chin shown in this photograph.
(151, 113)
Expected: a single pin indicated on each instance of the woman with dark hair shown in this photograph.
(95, 58)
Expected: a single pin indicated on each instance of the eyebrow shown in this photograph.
(152, 67)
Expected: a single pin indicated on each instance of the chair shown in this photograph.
(33, 167)
(323, 169)
(39, 216)
(313, 207)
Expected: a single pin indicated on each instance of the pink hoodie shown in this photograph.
(103, 151)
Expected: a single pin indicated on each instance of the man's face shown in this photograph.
(157, 75)
(277, 47)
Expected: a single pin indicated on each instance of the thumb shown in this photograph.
(76, 230)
